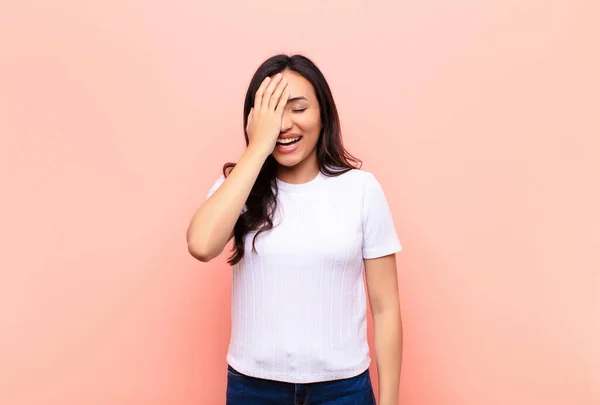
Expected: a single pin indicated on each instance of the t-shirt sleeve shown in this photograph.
(216, 186)
(379, 233)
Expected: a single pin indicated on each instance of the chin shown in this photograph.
(287, 161)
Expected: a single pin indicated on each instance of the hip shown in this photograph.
(245, 389)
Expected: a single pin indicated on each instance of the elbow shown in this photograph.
(203, 246)
(198, 250)
(385, 306)
(199, 253)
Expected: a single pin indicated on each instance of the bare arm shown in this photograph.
(212, 225)
(382, 284)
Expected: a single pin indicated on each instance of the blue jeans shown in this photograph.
(246, 390)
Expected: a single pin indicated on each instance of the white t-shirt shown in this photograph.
(298, 305)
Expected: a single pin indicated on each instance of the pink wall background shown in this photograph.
(481, 120)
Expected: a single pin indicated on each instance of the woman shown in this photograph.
(306, 221)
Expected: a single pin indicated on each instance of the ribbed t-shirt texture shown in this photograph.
(298, 304)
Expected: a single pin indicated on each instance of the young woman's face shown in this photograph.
(301, 119)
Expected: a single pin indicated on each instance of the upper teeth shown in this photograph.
(289, 140)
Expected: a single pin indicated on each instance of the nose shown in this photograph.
(286, 122)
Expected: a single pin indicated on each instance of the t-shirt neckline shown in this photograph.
(309, 185)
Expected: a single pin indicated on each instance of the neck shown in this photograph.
(303, 172)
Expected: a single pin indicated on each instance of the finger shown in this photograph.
(283, 101)
(277, 94)
(270, 88)
(259, 93)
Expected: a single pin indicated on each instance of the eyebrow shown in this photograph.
(291, 100)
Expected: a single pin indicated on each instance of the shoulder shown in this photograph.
(365, 186)
(357, 179)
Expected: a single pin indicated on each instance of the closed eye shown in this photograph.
(300, 110)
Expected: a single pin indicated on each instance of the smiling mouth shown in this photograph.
(287, 142)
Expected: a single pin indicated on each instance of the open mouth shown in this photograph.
(288, 142)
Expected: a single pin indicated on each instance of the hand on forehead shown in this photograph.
(298, 87)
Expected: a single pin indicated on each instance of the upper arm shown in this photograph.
(380, 245)
(382, 283)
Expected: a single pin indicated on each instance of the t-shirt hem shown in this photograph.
(299, 378)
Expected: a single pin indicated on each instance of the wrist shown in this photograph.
(258, 152)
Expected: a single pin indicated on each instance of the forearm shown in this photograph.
(212, 225)
(388, 350)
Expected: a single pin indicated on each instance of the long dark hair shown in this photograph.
(333, 159)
